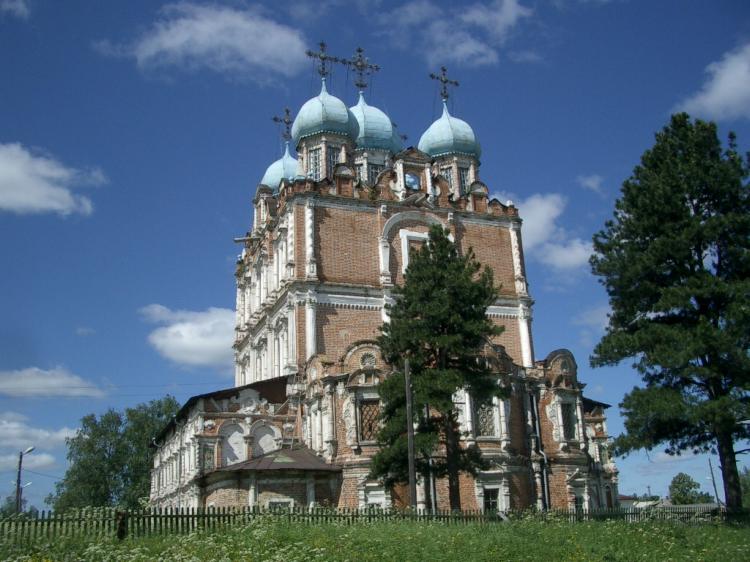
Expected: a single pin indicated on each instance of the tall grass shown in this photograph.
(528, 539)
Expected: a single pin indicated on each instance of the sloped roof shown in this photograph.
(273, 390)
(300, 458)
(589, 404)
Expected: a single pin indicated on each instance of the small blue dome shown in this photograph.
(284, 168)
(449, 135)
(324, 114)
(375, 128)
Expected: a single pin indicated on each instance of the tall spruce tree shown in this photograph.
(675, 261)
(439, 322)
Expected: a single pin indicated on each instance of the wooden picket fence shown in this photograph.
(108, 522)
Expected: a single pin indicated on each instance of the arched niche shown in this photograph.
(233, 448)
(264, 438)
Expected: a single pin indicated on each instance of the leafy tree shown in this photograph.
(675, 261)
(439, 321)
(684, 490)
(110, 459)
(8, 507)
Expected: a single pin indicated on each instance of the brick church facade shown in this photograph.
(330, 239)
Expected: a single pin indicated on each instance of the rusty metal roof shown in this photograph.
(300, 458)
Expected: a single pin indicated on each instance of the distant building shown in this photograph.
(330, 239)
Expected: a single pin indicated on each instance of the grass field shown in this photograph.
(518, 540)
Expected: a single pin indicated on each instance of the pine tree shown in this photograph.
(439, 321)
(675, 261)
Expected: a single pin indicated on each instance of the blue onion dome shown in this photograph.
(284, 168)
(449, 135)
(324, 114)
(375, 127)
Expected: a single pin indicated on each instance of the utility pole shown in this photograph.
(410, 437)
(19, 488)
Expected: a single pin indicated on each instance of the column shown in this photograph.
(310, 489)
(310, 325)
(524, 317)
(518, 273)
(311, 270)
(291, 334)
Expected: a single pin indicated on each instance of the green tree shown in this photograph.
(110, 458)
(675, 261)
(439, 321)
(684, 490)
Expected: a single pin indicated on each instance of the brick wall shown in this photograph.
(346, 243)
(230, 493)
(491, 245)
(520, 490)
(510, 338)
(558, 487)
(281, 491)
(338, 328)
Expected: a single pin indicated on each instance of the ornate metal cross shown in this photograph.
(287, 122)
(444, 81)
(324, 68)
(362, 66)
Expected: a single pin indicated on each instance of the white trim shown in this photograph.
(524, 317)
(406, 237)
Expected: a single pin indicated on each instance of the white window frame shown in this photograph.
(314, 163)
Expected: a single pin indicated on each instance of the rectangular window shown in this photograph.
(491, 499)
(485, 421)
(332, 152)
(569, 420)
(447, 173)
(369, 411)
(360, 170)
(463, 179)
(372, 172)
(313, 163)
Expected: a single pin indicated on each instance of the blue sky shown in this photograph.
(133, 134)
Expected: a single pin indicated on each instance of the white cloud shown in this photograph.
(592, 321)
(34, 461)
(595, 317)
(497, 18)
(592, 182)
(524, 56)
(17, 8)
(241, 43)
(32, 182)
(190, 338)
(17, 434)
(83, 331)
(39, 383)
(468, 36)
(543, 239)
(726, 92)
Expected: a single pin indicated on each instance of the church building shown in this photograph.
(330, 239)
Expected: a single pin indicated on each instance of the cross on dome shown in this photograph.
(324, 68)
(444, 81)
(287, 121)
(362, 67)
